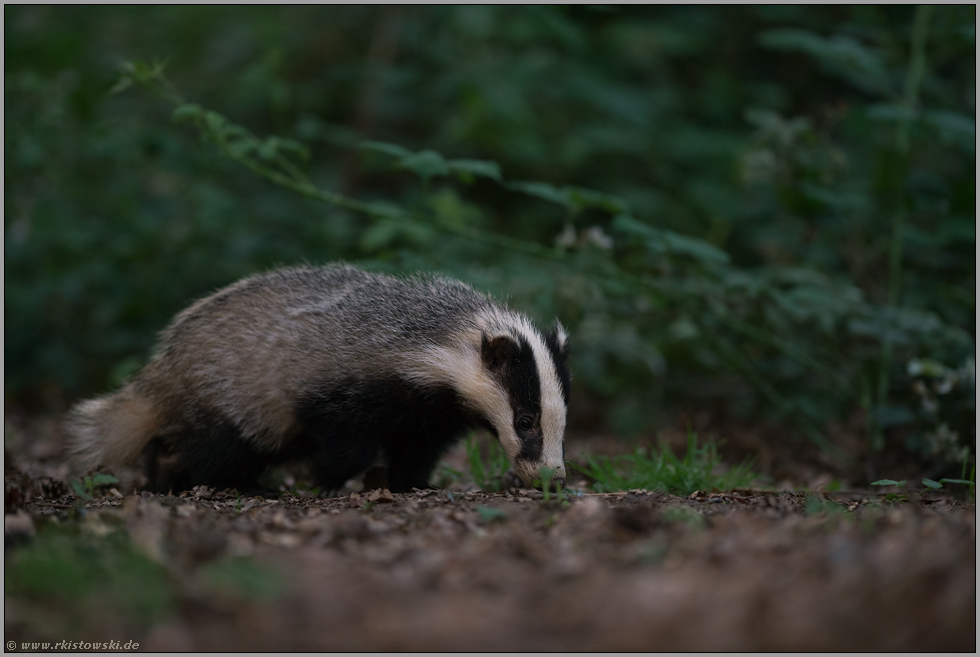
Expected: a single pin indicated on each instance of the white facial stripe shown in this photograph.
(463, 368)
(552, 400)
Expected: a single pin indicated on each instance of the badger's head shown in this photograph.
(530, 371)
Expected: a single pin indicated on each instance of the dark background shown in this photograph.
(768, 212)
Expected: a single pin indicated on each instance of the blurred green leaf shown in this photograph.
(187, 111)
(425, 164)
(544, 191)
(467, 169)
(966, 482)
(840, 55)
(393, 150)
(666, 241)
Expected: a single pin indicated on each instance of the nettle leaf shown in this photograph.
(268, 149)
(698, 249)
(841, 200)
(953, 127)
(122, 84)
(891, 112)
(797, 276)
(840, 55)
(425, 164)
(892, 415)
(772, 126)
(273, 146)
(589, 198)
(138, 70)
(188, 112)
(79, 489)
(215, 122)
(393, 150)
(925, 367)
(544, 191)
(490, 514)
(468, 169)
(103, 479)
(428, 163)
(242, 147)
(929, 483)
(575, 199)
(378, 236)
(385, 210)
(899, 325)
(662, 241)
(234, 131)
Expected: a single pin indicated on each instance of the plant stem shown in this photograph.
(910, 100)
(767, 390)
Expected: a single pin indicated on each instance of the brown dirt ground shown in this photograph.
(464, 570)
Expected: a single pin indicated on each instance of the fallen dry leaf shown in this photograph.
(380, 496)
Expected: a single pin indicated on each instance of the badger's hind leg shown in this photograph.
(209, 451)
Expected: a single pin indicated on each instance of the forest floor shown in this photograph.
(465, 570)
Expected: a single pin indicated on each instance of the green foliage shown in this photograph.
(545, 475)
(650, 469)
(816, 505)
(939, 404)
(85, 488)
(66, 579)
(889, 482)
(487, 472)
(930, 484)
(444, 476)
(80, 574)
(489, 514)
(769, 208)
(684, 515)
(243, 578)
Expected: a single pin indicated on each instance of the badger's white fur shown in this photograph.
(338, 365)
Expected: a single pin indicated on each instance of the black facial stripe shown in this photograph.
(522, 382)
(531, 448)
(520, 379)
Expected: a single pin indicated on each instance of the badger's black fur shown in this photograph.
(338, 366)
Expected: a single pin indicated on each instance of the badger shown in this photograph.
(341, 368)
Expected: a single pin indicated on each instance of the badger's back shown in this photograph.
(251, 350)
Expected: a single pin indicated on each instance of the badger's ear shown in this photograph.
(497, 351)
(557, 341)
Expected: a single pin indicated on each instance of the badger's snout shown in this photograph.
(531, 476)
(556, 485)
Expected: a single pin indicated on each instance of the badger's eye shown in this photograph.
(525, 423)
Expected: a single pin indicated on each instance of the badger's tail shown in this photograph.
(110, 431)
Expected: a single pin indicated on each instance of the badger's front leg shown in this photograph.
(431, 421)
